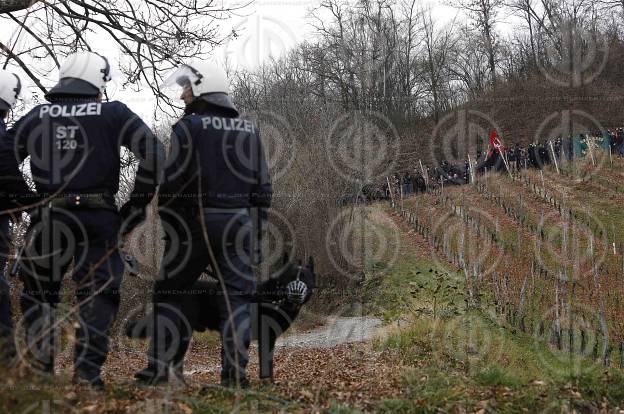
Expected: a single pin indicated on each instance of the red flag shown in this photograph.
(495, 142)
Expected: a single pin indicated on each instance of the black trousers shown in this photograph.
(89, 239)
(186, 258)
(6, 316)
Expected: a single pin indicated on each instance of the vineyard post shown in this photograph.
(390, 191)
(591, 151)
(532, 295)
(623, 261)
(576, 268)
(563, 276)
(610, 157)
(505, 162)
(554, 156)
(424, 174)
(462, 262)
(521, 305)
(543, 184)
(556, 329)
(613, 231)
(601, 306)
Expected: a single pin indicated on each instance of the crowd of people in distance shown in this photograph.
(496, 158)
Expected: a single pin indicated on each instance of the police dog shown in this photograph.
(275, 306)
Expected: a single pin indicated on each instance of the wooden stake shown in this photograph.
(401, 192)
(390, 190)
(424, 174)
(504, 157)
(613, 231)
(591, 151)
(553, 156)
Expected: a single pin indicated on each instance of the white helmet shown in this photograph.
(10, 88)
(81, 74)
(207, 80)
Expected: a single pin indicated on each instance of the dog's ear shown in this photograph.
(310, 264)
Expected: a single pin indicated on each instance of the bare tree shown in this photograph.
(153, 36)
(439, 46)
(526, 10)
(483, 13)
(469, 64)
(612, 4)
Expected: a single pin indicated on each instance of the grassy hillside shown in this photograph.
(502, 296)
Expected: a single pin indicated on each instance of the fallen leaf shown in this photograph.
(185, 408)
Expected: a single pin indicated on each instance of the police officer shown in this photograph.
(74, 143)
(216, 174)
(10, 88)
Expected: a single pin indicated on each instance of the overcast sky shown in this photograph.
(266, 28)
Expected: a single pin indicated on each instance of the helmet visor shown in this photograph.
(183, 76)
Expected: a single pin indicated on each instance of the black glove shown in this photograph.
(132, 215)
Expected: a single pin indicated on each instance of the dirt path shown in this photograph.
(337, 331)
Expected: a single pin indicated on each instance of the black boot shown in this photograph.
(177, 370)
(156, 372)
(228, 380)
(7, 351)
(88, 377)
(40, 338)
(152, 375)
(161, 353)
